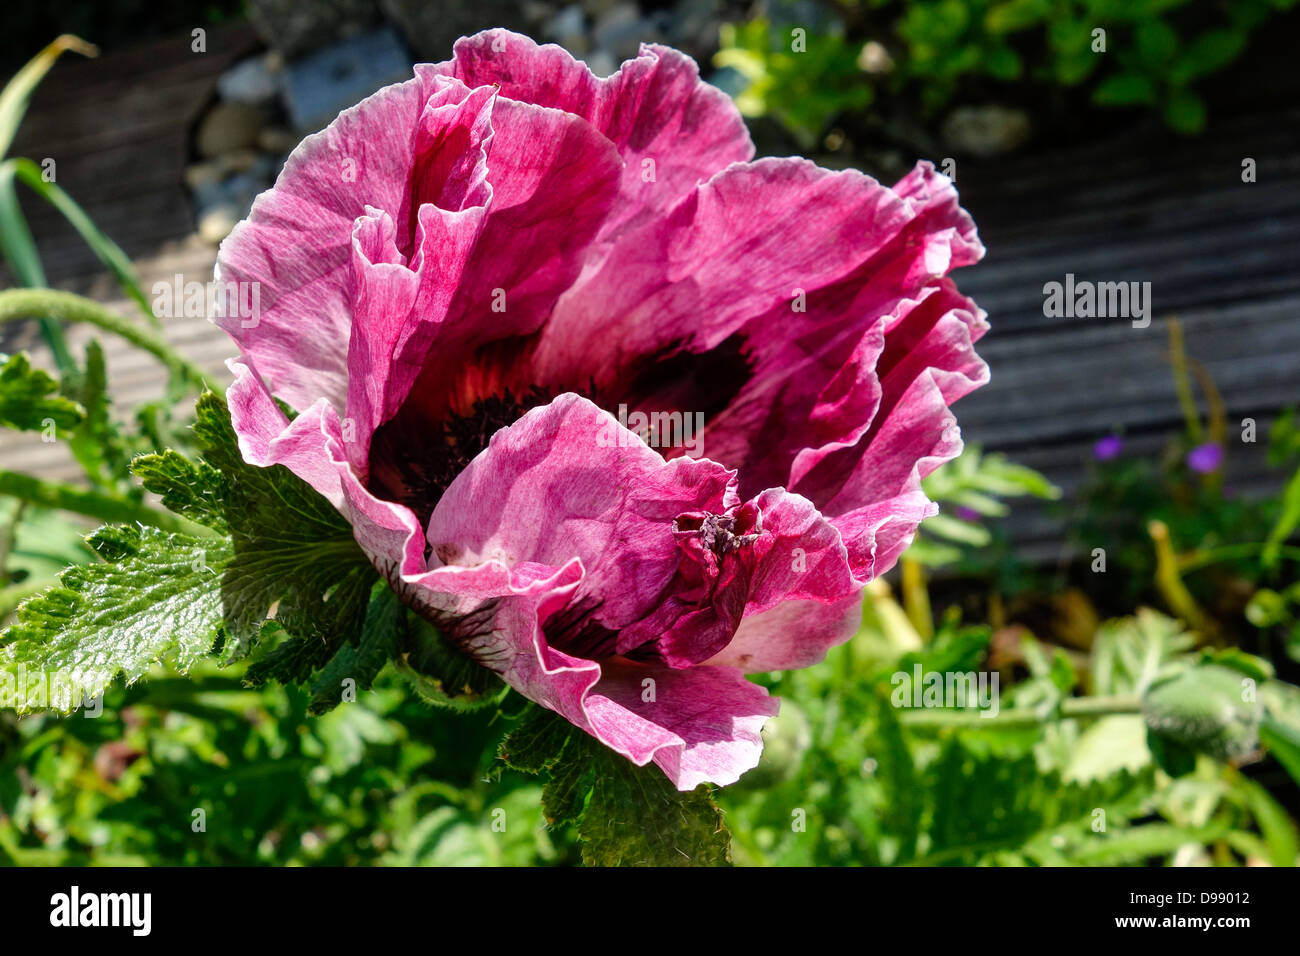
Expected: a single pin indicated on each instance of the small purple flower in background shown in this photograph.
(1205, 459)
(1107, 448)
(469, 279)
(966, 514)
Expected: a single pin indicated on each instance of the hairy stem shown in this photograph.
(93, 504)
(33, 303)
(1024, 716)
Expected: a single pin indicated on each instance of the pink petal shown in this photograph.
(703, 724)
(296, 242)
(559, 484)
(726, 254)
(654, 108)
(489, 275)
(791, 635)
(267, 437)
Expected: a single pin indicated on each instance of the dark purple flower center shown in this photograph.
(449, 416)
(416, 466)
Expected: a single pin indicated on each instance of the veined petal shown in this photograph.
(568, 480)
(296, 242)
(671, 129)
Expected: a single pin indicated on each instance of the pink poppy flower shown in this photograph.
(471, 285)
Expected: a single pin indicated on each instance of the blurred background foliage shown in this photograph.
(1070, 772)
(866, 63)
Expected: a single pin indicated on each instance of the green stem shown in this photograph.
(1024, 716)
(31, 303)
(916, 598)
(1169, 582)
(93, 504)
(1182, 382)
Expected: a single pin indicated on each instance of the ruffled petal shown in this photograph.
(398, 305)
(671, 129)
(567, 480)
(702, 724)
(732, 251)
(488, 277)
(296, 242)
(267, 437)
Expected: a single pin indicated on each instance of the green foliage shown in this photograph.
(441, 674)
(1132, 653)
(1122, 497)
(1205, 710)
(98, 443)
(972, 484)
(381, 634)
(880, 784)
(292, 549)
(151, 600)
(802, 80)
(189, 488)
(27, 401)
(1154, 56)
(160, 596)
(382, 781)
(625, 815)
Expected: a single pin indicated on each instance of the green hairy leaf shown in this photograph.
(97, 443)
(380, 634)
(172, 598)
(292, 550)
(27, 399)
(625, 815)
(189, 488)
(440, 673)
(152, 600)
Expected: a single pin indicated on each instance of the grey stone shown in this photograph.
(200, 175)
(569, 29)
(690, 18)
(250, 82)
(216, 222)
(321, 86)
(567, 22)
(238, 160)
(692, 27)
(276, 140)
(228, 127)
(242, 189)
(536, 11)
(596, 8)
(601, 63)
(208, 194)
